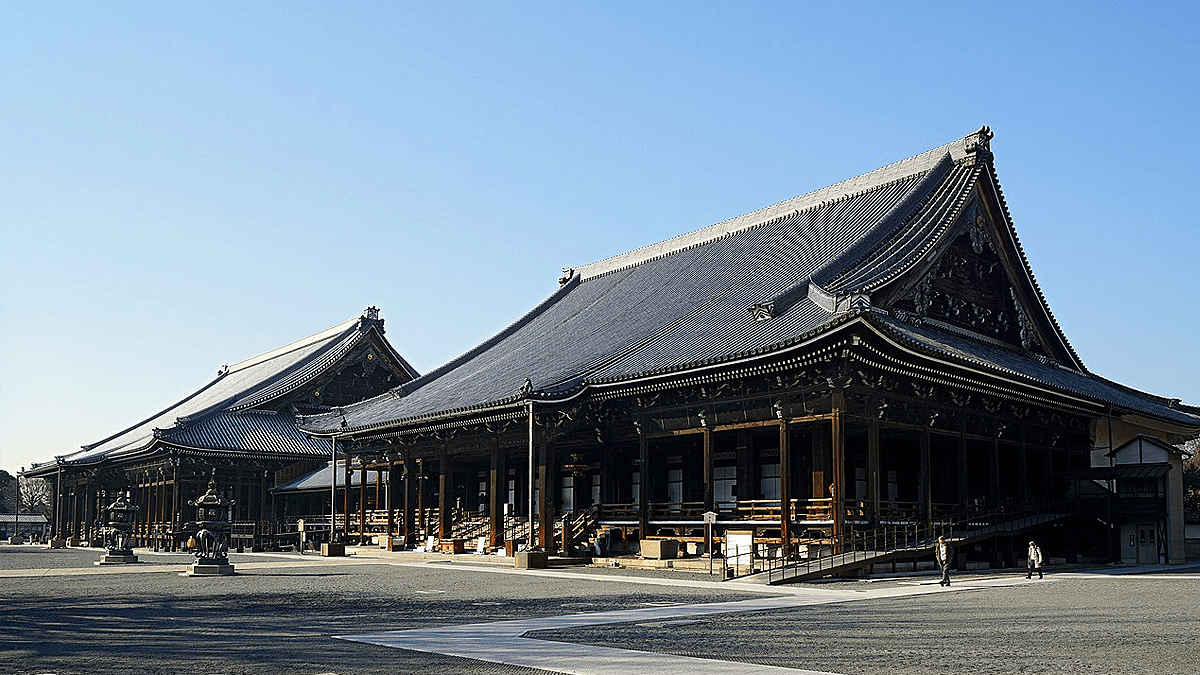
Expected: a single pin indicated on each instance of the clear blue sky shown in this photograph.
(186, 186)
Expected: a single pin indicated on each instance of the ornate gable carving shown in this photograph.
(968, 287)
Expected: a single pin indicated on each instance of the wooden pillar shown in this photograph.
(175, 502)
(378, 485)
(785, 487)
(264, 489)
(545, 502)
(362, 501)
(873, 469)
(964, 498)
(346, 499)
(422, 521)
(708, 470)
(406, 514)
(838, 443)
(88, 506)
(495, 500)
(1023, 468)
(444, 487)
(53, 510)
(391, 488)
(926, 487)
(643, 485)
(994, 472)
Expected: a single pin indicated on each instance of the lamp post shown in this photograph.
(116, 533)
(212, 548)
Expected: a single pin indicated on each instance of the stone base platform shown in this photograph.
(208, 570)
(116, 559)
(698, 565)
(16, 540)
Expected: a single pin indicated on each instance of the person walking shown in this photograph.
(942, 553)
(1034, 560)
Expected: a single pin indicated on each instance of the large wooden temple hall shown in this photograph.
(866, 358)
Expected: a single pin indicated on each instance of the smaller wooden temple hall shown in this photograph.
(871, 355)
(238, 429)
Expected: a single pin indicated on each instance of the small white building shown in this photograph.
(1145, 476)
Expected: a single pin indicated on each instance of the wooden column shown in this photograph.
(495, 499)
(362, 501)
(391, 487)
(54, 510)
(406, 515)
(708, 470)
(838, 443)
(785, 487)
(378, 485)
(926, 478)
(643, 485)
(994, 473)
(346, 499)
(444, 486)
(1023, 468)
(88, 506)
(422, 524)
(873, 469)
(964, 498)
(174, 502)
(545, 501)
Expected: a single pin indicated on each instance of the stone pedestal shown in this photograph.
(333, 550)
(58, 542)
(116, 559)
(208, 568)
(529, 560)
(660, 549)
(16, 539)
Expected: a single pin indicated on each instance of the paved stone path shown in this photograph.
(505, 642)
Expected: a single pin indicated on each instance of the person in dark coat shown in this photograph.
(942, 552)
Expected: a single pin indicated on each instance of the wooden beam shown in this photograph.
(738, 425)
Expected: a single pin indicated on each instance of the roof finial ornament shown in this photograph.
(567, 274)
(223, 370)
(527, 387)
(371, 313)
(979, 142)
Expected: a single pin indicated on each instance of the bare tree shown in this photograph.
(34, 495)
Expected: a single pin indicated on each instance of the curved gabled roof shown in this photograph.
(219, 415)
(799, 266)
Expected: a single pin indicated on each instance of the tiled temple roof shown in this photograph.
(805, 264)
(218, 416)
(318, 479)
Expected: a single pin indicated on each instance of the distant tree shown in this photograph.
(1191, 480)
(34, 495)
(8, 492)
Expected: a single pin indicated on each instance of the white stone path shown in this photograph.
(506, 642)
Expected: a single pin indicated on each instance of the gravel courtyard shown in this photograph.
(280, 616)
